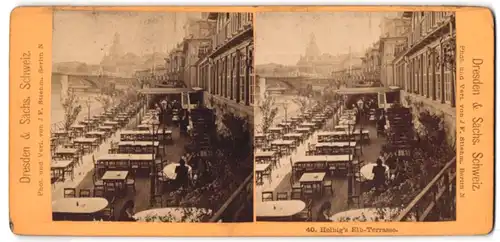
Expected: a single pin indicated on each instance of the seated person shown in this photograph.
(324, 212)
(127, 212)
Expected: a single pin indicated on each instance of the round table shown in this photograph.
(279, 208)
(81, 205)
(169, 170)
(369, 215)
(367, 171)
(173, 214)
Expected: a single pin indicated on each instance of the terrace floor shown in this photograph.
(141, 197)
(281, 176)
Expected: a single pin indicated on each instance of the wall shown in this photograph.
(434, 107)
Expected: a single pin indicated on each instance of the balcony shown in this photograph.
(239, 201)
(437, 201)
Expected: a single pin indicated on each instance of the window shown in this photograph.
(447, 86)
(251, 75)
(426, 75)
(438, 77)
(242, 67)
(234, 72)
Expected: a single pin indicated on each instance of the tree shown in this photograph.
(302, 102)
(268, 112)
(71, 108)
(105, 101)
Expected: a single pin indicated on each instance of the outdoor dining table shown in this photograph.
(307, 124)
(137, 147)
(79, 206)
(58, 166)
(285, 145)
(336, 144)
(275, 129)
(143, 127)
(386, 214)
(169, 170)
(260, 169)
(110, 123)
(105, 128)
(279, 209)
(313, 179)
(367, 171)
(303, 129)
(173, 214)
(117, 178)
(323, 158)
(293, 135)
(60, 133)
(77, 126)
(95, 134)
(89, 142)
(263, 156)
(65, 153)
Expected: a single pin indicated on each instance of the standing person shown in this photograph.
(127, 212)
(181, 171)
(379, 172)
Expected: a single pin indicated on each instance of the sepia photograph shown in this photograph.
(152, 116)
(355, 116)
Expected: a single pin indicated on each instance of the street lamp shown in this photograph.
(154, 124)
(361, 120)
(88, 103)
(285, 106)
(350, 171)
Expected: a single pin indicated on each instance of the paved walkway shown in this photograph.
(86, 165)
(281, 175)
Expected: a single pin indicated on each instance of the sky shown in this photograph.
(282, 38)
(85, 36)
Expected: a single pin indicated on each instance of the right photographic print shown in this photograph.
(355, 116)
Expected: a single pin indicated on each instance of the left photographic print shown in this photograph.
(152, 116)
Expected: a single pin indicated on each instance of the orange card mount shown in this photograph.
(329, 121)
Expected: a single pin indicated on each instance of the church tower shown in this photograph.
(312, 50)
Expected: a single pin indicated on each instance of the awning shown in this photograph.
(166, 90)
(365, 90)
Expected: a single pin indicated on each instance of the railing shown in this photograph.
(437, 201)
(240, 200)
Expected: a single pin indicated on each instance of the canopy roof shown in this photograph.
(366, 90)
(166, 90)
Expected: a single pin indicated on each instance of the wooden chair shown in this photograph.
(69, 192)
(328, 186)
(130, 182)
(108, 213)
(110, 187)
(98, 186)
(267, 196)
(281, 196)
(157, 201)
(307, 190)
(353, 201)
(306, 214)
(70, 170)
(84, 193)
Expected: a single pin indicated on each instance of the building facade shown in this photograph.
(226, 71)
(174, 64)
(425, 66)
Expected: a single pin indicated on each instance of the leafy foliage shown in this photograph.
(268, 112)
(429, 157)
(302, 102)
(71, 108)
(105, 101)
(186, 214)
